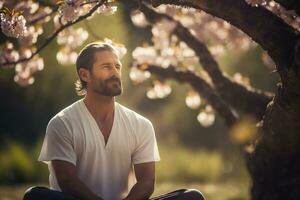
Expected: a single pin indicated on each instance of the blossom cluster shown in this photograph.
(8, 53)
(13, 24)
(25, 70)
(71, 10)
(23, 20)
(167, 50)
(69, 39)
(219, 34)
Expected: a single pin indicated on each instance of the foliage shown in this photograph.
(19, 165)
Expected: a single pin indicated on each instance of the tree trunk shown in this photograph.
(275, 164)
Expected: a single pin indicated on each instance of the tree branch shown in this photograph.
(51, 37)
(200, 85)
(290, 5)
(47, 3)
(264, 27)
(254, 102)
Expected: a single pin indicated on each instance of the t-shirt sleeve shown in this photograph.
(146, 149)
(57, 144)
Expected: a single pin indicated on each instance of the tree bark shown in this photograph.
(274, 165)
(290, 5)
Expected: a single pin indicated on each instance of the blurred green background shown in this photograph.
(191, 155)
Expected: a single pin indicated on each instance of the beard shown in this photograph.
(110, 87)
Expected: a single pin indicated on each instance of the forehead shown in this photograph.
(105, 56)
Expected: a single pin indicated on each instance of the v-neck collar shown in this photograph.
(93, 121)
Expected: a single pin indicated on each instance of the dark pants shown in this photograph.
(43, 193)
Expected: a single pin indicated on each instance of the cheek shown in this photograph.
(101, 74)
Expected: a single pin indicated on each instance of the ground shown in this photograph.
(218, 191)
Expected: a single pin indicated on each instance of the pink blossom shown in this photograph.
(13, 25)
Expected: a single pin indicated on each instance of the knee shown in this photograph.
(193, 194)
(32, 193)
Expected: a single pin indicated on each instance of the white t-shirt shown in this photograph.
(73, 135)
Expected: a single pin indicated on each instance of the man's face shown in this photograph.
(105, 76)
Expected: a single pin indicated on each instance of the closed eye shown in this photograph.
(118, 66)
(109, 66)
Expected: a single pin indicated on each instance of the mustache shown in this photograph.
(113, 79)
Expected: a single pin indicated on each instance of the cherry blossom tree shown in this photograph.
(187, 38)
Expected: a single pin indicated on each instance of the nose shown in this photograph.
(116, 71)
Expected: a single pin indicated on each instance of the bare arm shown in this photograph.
(145, 175)
(69, 181)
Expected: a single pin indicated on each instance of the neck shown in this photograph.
(101, 107)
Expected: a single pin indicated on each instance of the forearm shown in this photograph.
(141, 190)
(78, 189)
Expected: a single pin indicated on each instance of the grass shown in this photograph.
(186, 165)
(212, 191)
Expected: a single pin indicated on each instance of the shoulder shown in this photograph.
(133, 117)
(139, 125)
(69, 111)
(64, 117)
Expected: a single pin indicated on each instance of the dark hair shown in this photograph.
(85, 60)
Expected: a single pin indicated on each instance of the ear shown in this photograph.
(84, 74)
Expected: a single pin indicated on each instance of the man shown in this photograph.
(96, 148)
